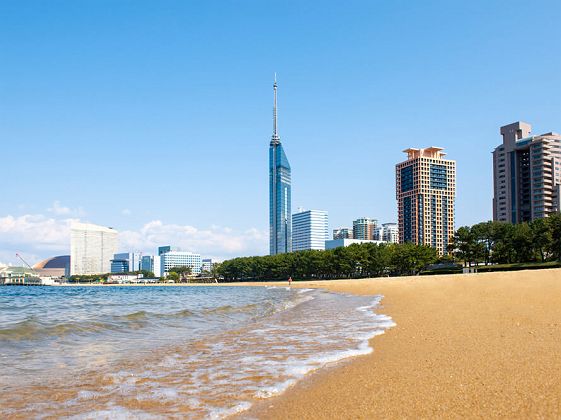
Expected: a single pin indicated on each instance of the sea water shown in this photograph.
(154, 352)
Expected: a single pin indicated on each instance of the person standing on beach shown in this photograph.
(289, 281)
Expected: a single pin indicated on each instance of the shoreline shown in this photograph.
(466, 345)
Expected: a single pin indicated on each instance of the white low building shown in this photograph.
(180, 259)
(125, 278)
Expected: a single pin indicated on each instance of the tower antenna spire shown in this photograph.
(275, 131)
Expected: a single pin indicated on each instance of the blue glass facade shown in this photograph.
(406, 179)
(513, 186)
(147, 263)
(433, 220)
(420, 219)
(445, 232)
(438, 177)
(407, 228)
(280, 199)
(119, 266)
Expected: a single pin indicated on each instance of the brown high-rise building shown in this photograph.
(527, 174)
(426, 192)
(363, 228)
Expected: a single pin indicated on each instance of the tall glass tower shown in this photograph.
(280, 223)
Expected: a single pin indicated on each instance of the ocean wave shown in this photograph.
(141, 315)
(32, 329)
(260, 349)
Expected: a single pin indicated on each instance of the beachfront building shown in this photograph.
(343, 233)
(207, 265)
(527, 174)
(91, 248)
(280, 229)
(387, 232)
(363, 228)
(180, 259)
(125, 262)
(425, 192)
(151, 263)
(309, 230)
(10, 275)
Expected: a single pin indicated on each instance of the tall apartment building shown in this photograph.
(426, 192)
(363, 228)
(527, 174)
(309, 230)
(280, 192)
(343, 233)
(171, 259)
(91, 248)
(387, 232)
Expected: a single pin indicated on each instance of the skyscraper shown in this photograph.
(363, 228)
(91, 248)
(280, 224)
(425, 192)
(309, 230)
(527, 174)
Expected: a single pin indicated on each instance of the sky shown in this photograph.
(154, 117)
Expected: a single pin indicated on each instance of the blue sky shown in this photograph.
(155, 117)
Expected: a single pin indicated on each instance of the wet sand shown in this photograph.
(482, 345)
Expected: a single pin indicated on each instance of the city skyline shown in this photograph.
(92, 109)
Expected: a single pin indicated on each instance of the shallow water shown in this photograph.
(150, 352)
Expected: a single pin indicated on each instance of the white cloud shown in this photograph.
(59, 210)
(34, 236)
(217, 242)
(39, 236)
(126, 212)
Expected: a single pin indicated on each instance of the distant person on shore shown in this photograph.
(290, 281)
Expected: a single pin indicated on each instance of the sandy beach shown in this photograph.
(483, 345)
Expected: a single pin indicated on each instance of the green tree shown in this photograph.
(172, 275)
(541, 237)
(464, 245)
(554, 223)
(182, 271)
(521, 240)
(215, 270)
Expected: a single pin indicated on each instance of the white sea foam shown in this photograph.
(116, 413)
(220, 413)
(276, 389)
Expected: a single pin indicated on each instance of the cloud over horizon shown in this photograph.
(37, 236)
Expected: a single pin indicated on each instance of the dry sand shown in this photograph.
(483, 345)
